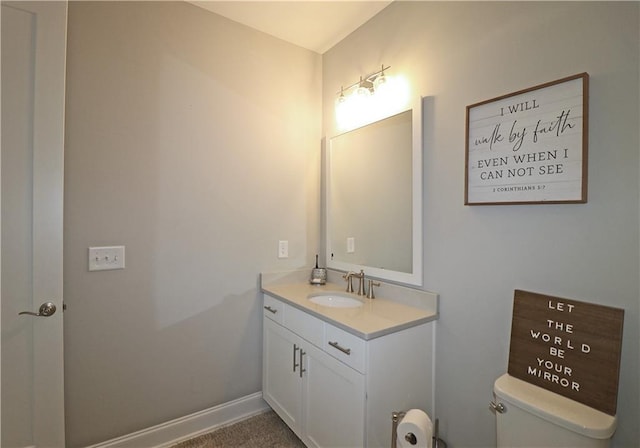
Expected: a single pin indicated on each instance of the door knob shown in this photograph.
(46, 309)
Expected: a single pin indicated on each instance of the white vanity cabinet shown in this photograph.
(335, 389)
(319, 397)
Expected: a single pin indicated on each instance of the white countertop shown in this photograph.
(377, 317)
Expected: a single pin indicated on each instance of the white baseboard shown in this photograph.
(189, 426)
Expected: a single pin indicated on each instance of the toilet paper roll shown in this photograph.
(415, 430)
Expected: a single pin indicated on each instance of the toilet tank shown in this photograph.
(536, 417)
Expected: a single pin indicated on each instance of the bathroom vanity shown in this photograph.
(335, 375)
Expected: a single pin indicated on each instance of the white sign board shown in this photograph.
(529, 146)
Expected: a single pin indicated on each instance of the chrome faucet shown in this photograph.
(370, 294)
(360, 278)
(349, 278)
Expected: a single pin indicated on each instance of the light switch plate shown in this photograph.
(106, 258)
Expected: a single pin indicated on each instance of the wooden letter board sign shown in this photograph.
(569, 347)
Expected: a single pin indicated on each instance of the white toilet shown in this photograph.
(530, 416)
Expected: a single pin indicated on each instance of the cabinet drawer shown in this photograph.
(304, 325)
(273, 309)
(346, 347)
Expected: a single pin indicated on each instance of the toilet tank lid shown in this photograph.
(555, 408)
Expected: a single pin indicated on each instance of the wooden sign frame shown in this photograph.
(568, 347)
(530, 146)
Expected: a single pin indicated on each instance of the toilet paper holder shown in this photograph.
(396, 416)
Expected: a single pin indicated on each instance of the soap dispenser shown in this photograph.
(318, 275)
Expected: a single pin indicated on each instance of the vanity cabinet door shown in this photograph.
(333, 402)
(319, 397)
(281, 382)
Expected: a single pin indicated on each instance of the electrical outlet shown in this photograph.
(351, 245)
(106, 258)
(283, 249)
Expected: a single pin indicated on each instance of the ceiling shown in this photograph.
(315, 25)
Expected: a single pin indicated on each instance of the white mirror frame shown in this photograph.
(409, 278)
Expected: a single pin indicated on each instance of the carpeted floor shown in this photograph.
(262, 431)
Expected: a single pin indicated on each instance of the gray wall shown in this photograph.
(194, 142)
(462, 53)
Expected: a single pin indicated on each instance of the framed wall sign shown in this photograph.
(567, 346)
(529, 146)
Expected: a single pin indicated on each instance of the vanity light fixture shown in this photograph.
(367, 84)
(380, 80)
(373, 97)
(365, 87)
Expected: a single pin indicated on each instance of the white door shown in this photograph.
(33, 38)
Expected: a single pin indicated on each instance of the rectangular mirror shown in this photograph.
(373, 194)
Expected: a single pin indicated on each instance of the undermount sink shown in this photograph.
(335, 300)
